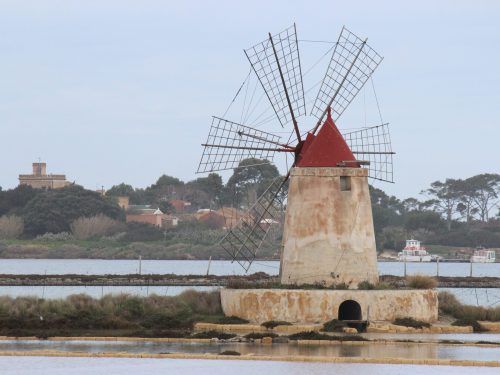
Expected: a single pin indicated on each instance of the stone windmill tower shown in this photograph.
(328, 235)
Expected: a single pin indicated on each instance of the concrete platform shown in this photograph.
(316, 306)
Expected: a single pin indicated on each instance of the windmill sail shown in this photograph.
(243, 240)
(276, 62)
(352, 63)
(373, 145)
(229, 143)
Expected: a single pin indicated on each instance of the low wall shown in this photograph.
(313, 306)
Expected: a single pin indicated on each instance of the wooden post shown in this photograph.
(209, 262)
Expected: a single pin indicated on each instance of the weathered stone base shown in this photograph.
(315, 306)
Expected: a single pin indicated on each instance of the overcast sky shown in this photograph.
(123, 91)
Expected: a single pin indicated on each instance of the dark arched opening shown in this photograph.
(349, 310)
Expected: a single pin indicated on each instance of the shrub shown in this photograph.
(448, 304)
(213, 334)
(230, 352)
(160, 314)
(312, 335)
(366, 285)
(49, 237)
(232, 320)
(96, 226)
(274, 323)
(141, 232)
(476, 326)
(334, 325)
(11, 227)
(259, 335)
(410, 322)
(201, 303)
(421, 282)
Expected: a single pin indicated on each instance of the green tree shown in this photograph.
(428, 220)
(445, 197)
(54, 210)
(249, 180)
(136, 196)
(165, 189)
(386, 211)
(13, 200)
(485, 190)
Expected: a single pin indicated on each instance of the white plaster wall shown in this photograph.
(316, 306)
(328, 236)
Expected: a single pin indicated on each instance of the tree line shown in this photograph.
(455, 212)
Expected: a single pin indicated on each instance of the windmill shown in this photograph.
(321, 149)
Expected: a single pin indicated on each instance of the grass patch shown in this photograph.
(162, 315)
(213, 335)
(275, 284)
(260, 335)
(230, 352)
(232, 320)
(274, 323)
(312, 335)
(410, 322)
(334, 325)
(421, 282)
(448, 304)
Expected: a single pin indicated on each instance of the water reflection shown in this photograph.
(370, 350)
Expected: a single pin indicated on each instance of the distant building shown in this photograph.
(210, 217)
(123, 202)
(145, 214)
(180, 205)
(40, 179)
(170, 221)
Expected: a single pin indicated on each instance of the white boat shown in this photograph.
(414, 252)
(482, 255)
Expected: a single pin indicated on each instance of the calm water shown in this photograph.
(200, 267)
(122, 366)
(371, 350)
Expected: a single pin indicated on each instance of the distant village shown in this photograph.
(222, 218)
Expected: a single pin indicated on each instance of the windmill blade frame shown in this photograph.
(243, 241)
(352, 63)
(228, 143)
(373, 146)
(276, 63)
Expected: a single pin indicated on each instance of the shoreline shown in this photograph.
(254, 280)
(253, 357)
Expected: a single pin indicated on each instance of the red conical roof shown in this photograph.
(327, 149)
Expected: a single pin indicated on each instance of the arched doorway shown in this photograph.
(349, 310)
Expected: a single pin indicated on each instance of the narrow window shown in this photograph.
(345, 183)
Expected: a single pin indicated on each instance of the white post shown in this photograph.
(470, 275)
(405, 267)
(140, 264)
(437, 267)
